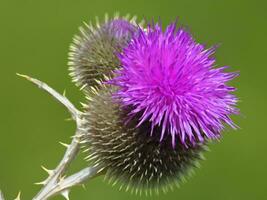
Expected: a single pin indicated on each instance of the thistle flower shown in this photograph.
(92, 54)
(128, 154)
(170, 100)
(170, 80)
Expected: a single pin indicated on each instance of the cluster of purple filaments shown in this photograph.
(171, 81)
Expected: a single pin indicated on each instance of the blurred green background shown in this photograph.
(34, 40)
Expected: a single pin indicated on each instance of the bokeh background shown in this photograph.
(34, 40)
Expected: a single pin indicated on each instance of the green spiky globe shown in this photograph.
(93, 52)
(130, 156)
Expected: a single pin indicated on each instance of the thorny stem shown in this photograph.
(78, 178)
(54, 177)
(55, 183)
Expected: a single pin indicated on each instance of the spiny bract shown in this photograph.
(93, 52)
(130, 155)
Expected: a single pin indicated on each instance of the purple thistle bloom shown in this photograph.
(171, 80)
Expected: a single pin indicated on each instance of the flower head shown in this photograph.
(170, 80)
(93, 52)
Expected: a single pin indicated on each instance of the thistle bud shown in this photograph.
(130, 155)
(93, 52)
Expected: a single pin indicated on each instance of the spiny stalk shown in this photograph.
(55, 184)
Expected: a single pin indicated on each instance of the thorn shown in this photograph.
(64, 144)
(23, 76)
(18, 197)
(35, 81)
(69, 119)
(83, 186)
(41, 183)
(65, 194)
(47, 170)
(61, 178)
(83, 104)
